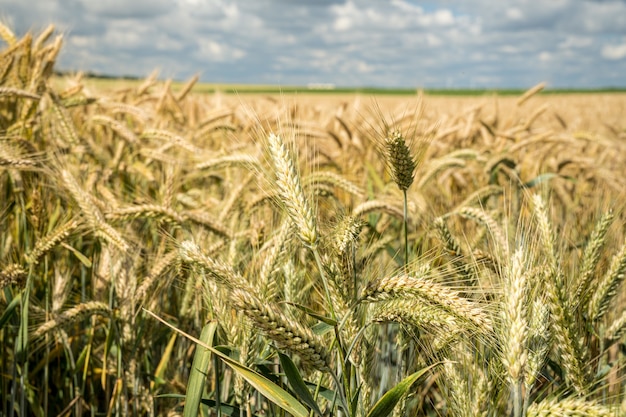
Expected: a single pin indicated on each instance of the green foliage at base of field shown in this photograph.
(170, 253)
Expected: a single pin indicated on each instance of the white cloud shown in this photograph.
(215, 51)
(614, 52)
(545, 56)
(514, 13)
(574, 41)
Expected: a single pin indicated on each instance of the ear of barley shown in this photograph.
(608, 285)
(16, 92)
(287, 333)
(243, 160)
(377, 205)
(568, 407)
(150, 280)
(292, 195)
(530, 92)
(420, 315)
(64, 123)
(171, 138)
(187, 87)
(145, 211)
(272, 260)
(92, 213)
(11, 275)
(617, 329)
(223, 274)
(7, 35)
(515, 323)
(123, 131)
(72, 315)
(591, 256)
(400, 160)
(346, 233)
(333, 179)
(437, 165)
(458, 390)
(514, 332)
(566, 334)
(49, 241)
(43, 37)
(482, 217)
(437, 294)
(539, 341)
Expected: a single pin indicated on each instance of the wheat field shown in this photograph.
(165, 252)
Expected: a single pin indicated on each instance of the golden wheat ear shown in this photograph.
(291, 192)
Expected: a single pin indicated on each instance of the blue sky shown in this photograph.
(397, 43)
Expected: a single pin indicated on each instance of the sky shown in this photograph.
(396, 43)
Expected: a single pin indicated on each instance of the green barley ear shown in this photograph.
(400, 159)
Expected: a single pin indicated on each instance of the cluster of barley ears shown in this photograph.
(433, 262)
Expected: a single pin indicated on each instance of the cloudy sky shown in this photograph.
(397, 43)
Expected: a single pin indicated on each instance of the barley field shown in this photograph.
(165, 252)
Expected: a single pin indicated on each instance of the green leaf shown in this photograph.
(539, 179)
(82, 258)
(226, 409)
(324, 392)
(10, 310)
(271, 391)
(387, 402)
(321, 328)
(197, 375)
(297, 382)
(267, 388)
(354, 403)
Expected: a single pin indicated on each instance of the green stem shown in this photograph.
(406, 233)
(320, 267)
